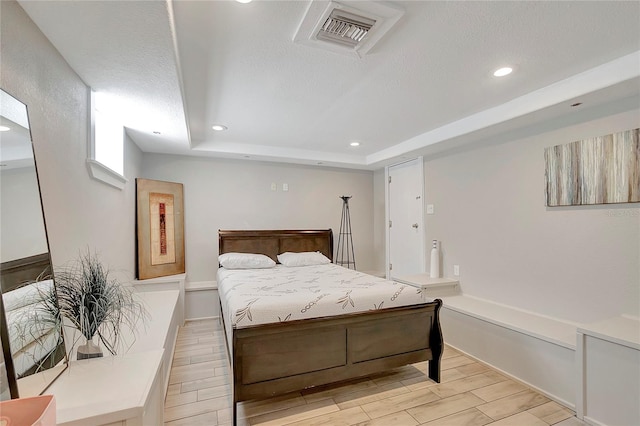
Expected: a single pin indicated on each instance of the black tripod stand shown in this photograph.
(345, 255)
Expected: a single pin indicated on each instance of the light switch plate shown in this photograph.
(429, 208)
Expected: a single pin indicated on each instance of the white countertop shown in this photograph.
(103, 390)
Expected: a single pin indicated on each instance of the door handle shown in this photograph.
(415, 225)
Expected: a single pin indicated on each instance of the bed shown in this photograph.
(34, 340)
(284, 353)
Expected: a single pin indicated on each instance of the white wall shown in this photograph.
(79, 212)
(22, 231)
(235, 194)
(576, 263)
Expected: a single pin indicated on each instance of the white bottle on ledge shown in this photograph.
(435, 260)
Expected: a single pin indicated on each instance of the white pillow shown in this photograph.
(245, 261)
(306, 258)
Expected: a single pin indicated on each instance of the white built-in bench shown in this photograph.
(534, 349)
(583, 366)
(161, 328)
(552, 330)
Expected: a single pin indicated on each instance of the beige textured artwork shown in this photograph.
(162, 232)
(601, 170)
(159, 228)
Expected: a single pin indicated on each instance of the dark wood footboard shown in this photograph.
(274, 359)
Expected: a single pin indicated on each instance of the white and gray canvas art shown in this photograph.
(600, 170)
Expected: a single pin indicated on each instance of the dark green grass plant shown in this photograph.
(96, 304)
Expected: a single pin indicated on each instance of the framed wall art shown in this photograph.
(600, 170)
(159, 228)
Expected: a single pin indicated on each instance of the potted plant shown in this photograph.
(95, 304)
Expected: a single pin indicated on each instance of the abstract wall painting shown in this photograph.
(160, 228)
(600, 170)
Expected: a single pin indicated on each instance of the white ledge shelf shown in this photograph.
(621, 330)
(102, 173)
(164, 279)
(431, 286)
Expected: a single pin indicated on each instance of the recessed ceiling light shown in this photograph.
(4, 129)
(355, 144)
(219, 127)
(244, 1)
(502, 72)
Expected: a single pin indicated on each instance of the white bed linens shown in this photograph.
(31, 329)
(262, 296)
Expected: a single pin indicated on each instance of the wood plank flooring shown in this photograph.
(470, 394)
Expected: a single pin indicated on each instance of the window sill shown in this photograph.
(99, 172)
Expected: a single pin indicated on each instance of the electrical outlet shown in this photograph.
(285, 186)
(456, 270)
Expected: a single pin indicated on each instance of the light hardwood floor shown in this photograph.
(470, 394)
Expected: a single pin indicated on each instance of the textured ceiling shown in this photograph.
(15, 150)
(425, 87)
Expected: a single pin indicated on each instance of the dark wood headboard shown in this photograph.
(274, 242)
(15, 273)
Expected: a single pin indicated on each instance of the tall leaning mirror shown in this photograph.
(33, 351)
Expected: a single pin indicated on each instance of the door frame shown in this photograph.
(386, 215)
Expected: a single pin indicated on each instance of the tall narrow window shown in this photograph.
(106, 154)
(108, 142)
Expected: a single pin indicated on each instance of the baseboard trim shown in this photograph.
(200, 286)
(201, 319)
(592, 421)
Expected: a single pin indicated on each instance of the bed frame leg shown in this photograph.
(234, 412)
(437, 345)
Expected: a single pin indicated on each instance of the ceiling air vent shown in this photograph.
(344, 29)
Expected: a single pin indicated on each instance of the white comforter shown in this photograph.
(32, 331)
(262, 296)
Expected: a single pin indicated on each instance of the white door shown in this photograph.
(405, 237)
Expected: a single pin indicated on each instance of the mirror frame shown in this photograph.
(6, 354)
(38, 259)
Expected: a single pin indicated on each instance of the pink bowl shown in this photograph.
(33, 411)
